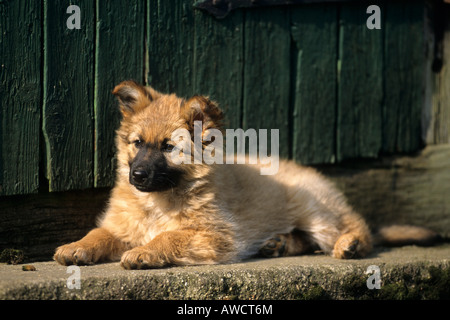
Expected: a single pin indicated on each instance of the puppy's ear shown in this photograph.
(200, 108)
(133, 96)
(153, 93)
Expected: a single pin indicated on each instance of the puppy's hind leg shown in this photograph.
(293, 243)
(355, 242)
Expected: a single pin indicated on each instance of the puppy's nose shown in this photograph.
(140, 176)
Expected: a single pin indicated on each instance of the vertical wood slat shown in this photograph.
(170, 47)
(314, 32)
(266, 73)
(190, 52)
(20, 95)
(439, 132)
(68, 96)
(218, 62)
(119, 56)
(404, 52)
(360, 79)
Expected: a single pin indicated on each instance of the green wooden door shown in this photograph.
(335, 89)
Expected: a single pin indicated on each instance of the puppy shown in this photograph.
(163, 213)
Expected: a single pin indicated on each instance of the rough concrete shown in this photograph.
(406, 273)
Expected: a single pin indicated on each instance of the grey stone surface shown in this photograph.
(406, 273)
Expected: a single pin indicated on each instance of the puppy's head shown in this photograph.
(144, 139)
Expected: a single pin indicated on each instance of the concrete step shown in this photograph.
(405, 273)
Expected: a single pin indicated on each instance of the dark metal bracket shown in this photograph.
(221, 8)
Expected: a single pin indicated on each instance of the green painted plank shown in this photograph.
(404, 76)
(218, 62)
(314, 31)
(20, 96)
(68, 96)
(170, 47)
(266, 76)
(360, 85)
(119, 56)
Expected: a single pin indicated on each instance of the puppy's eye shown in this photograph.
(138, 143)
(167, 147)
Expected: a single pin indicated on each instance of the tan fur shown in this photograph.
(217, 213)
(398, 235)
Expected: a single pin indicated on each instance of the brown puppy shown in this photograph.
(161, 213)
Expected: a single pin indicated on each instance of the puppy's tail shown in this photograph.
(402, 235)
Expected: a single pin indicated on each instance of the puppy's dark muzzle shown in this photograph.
(149, 172)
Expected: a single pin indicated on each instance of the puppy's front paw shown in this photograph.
(141, 258)
(74, 253)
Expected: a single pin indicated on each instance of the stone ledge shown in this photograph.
(406, 273)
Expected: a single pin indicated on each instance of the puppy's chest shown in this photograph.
(156, 222)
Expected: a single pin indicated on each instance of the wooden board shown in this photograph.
(360, 85)
(404, 52)
(439, 129)
(314, 31)
(20, 96)
(266, 73)
(68, 110)
(170, 47)
(119, 55)
(37, 224)
(218, 62)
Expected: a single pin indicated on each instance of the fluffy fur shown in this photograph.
(162, 214)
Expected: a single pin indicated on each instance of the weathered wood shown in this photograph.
(314, 31)
(267, 73)
(20, 96)
(268, 68)
(119, 56)
(170, 47)
(68, 96)
(439, 129)
(37, 224)
(218, 62)
(404, 56)
(360, 85)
